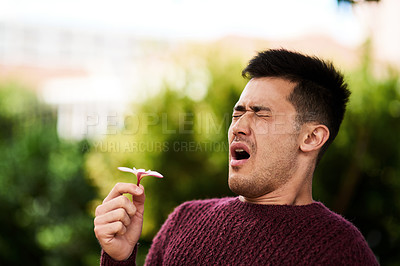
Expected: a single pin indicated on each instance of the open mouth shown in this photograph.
(239, 154)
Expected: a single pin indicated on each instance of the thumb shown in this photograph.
(139, 198)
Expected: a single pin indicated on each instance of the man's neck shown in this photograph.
(275, 199)
(297, 191)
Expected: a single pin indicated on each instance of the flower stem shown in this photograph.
(139, 177)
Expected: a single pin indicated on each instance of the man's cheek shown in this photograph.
(262, 128)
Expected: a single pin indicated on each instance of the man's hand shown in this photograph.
(118, 223)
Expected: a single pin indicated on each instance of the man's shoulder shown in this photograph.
(346, 242)
(207, 203)
(335, 221)
(341, 231)
(203, 205)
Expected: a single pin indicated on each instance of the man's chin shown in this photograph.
(238, 185)
(241, 184)
(242, 168)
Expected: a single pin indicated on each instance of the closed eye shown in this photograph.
(237, 114)
(263, 114)
(260, 111)
(259, 114)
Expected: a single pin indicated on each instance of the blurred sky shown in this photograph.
(194, 19)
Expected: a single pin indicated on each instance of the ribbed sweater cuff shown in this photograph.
(106, 260)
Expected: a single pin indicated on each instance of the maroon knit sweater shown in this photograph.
(230, 232)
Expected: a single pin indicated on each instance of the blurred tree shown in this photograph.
(43, 191)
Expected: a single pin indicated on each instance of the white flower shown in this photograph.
(140, 173)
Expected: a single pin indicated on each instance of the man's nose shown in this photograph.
(242, 125)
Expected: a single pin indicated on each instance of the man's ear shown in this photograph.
(314, 137)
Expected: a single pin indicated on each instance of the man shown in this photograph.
(287, 115)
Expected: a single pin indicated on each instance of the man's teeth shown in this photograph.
(239, 150)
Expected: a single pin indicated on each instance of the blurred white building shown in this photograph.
(90, 76)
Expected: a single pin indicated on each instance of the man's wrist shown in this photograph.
(107, 260)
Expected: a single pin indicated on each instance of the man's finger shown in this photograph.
(116, 203)
(113, 216)
(138, 200)
(108, 231)
(122, 188)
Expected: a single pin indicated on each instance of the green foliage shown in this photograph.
(43, 191)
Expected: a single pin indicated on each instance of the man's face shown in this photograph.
(263, 138)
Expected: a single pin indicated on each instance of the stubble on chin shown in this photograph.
(250, 186)
(258, 183)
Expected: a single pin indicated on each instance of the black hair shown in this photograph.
(320, 94)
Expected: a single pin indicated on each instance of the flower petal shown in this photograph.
(135, 170)
(153, 173)
(126, 169)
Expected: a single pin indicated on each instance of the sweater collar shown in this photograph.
(247, 207)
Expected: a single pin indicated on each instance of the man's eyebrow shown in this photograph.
(255, 108)
(240, 108)
(258, 108)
